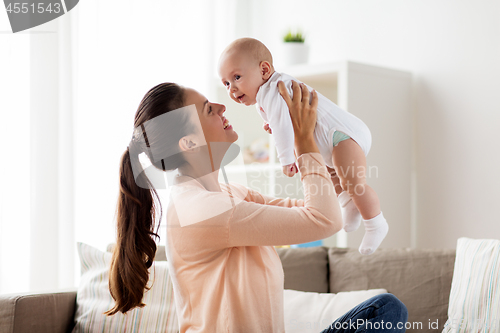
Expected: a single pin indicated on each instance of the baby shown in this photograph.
(246, 70)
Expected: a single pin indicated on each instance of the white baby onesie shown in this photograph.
(330, 118)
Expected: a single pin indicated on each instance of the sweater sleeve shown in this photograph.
(257, 197)
(261, 221)
(250, 195)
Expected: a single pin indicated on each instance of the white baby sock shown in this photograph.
(375, 231)
(350, 213)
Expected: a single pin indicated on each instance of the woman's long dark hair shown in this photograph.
(137, 211)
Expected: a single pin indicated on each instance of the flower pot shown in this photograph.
(294, 53)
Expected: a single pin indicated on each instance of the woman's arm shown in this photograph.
(213, 221)
(255, 224)
(254, 196)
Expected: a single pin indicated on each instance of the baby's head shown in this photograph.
(244, 66)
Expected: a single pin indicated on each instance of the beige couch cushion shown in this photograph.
(420, 278)
(160, 255)
(306, 269)
(307, 312)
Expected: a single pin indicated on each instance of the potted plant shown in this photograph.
(295, 51)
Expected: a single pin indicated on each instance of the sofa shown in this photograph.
(420, 278)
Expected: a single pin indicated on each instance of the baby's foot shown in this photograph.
(350, 213)
(375, 231)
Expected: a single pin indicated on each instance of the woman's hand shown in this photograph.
(302, 110)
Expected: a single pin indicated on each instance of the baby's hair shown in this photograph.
(251, 46)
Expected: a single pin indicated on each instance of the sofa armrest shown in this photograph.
(38, 312)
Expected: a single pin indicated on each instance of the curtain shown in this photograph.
(69, 90)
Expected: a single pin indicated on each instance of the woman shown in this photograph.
(226, 273)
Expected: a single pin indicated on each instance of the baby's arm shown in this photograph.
(281, 126)
(291, 169)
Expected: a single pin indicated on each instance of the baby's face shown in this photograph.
(241, 76)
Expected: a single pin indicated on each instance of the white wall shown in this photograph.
(453, 49)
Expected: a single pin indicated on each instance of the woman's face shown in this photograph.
(215, 126)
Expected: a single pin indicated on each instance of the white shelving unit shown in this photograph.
(381, 97)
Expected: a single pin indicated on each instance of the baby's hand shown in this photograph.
(267, 128)
(290, 170)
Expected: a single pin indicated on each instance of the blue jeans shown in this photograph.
(380, 314)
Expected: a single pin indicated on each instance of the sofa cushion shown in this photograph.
(93, 299)
(306, 269)
(160, 254)
(307, 312)
(475, 291)
(420, 278)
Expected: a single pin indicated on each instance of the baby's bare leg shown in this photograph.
(350, 164)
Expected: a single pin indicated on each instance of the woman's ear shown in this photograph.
(188, 144)
(266, 69)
